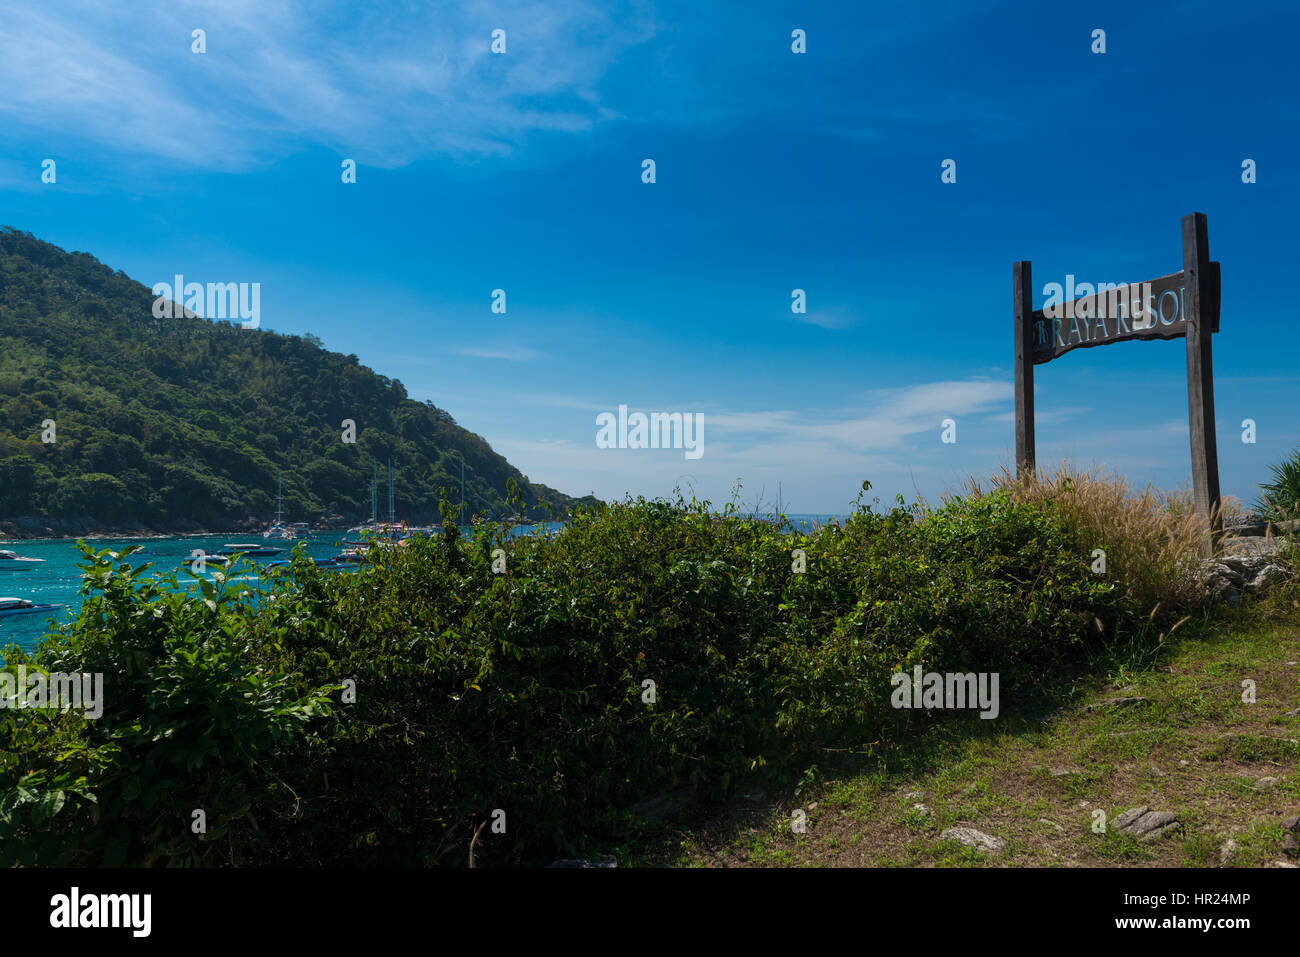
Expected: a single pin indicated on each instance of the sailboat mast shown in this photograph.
(279, 498)
(374, 492)
(390, 491)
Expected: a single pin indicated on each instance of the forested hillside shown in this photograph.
(180, 424)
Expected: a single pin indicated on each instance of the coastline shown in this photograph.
(8, 535)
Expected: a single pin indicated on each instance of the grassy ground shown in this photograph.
(1228, 769)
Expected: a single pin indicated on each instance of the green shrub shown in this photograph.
(191, 721)
(1281, 497)
(522, 692)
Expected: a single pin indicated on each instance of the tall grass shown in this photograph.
(1151, 537)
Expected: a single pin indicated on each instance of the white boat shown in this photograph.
(21, 606)
(13, 562)
(280, 529)
(248, 549)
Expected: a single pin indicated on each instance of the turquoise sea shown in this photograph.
(57, 580)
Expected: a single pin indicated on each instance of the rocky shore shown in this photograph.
(29, 527)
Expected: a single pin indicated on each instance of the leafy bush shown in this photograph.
(1151, 538)
(524, 690)
(1281, 497)
(190, 722)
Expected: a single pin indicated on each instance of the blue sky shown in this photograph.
(775, 171)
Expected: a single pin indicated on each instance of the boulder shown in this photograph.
(1146, 824)
(1266, 577)
(973, 838)
(1228, 851)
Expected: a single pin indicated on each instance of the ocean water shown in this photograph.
(58, 580)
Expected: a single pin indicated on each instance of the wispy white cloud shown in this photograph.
(833, 317)
(504, 353)
(383, 85)
(826, 453)
(1045, 417)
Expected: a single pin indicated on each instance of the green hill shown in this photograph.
(184, 424)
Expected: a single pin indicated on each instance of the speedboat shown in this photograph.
(13, 562)
(249, 549)
(21, 606)
(327, 564)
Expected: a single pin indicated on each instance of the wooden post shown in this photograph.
(1200, 374)
(1023, 291)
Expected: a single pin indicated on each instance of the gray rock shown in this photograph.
(1220, 590)
(973, 838)
(1231, 575)
(1246, 520)
(1266, 577)
(1146, 824)
(1291, 846)
(1245, 565)
(1228, 851)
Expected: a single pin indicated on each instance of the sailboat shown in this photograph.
(389, 531)
(279, 529)
(372, 525)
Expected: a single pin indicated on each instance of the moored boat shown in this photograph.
(327, 564)
(13, 562)
(249, 549)
(22, 606)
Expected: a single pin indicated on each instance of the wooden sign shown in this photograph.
(1153, 309)
(1182, 304)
